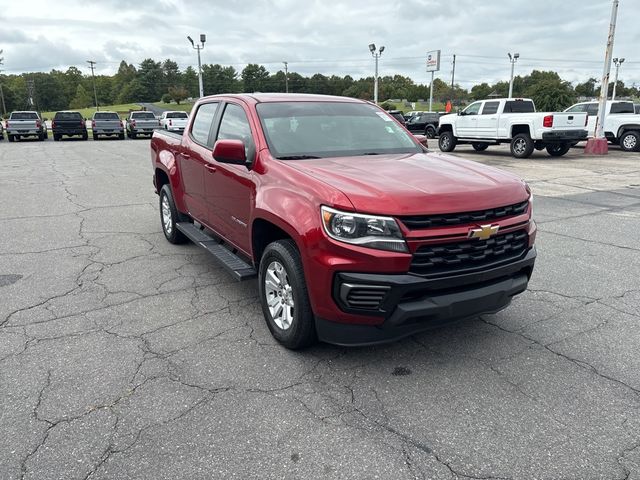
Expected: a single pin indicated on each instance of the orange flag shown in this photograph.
(448, 107)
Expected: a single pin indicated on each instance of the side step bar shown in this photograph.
(235, 265)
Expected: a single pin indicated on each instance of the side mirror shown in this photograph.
(423, 140)
(230, 151)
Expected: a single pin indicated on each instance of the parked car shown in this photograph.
(107, 124)
(621, 123)
(69, 124)
(26, 124)
(1, 131)
(397, 114)
(410, 114)
(425, 123)
(357, 234)
(514, 121)
(174, 121)
(141, 123)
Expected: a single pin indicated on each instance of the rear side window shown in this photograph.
(143, 116)
(490, 108)
(592, 109)
(177, 115)
(105, 116)
(622, 107)
(235, 126)
(519, 106)
(580, 108)
(637, 108)
(24, 116)
(202, 123)
(68, 116)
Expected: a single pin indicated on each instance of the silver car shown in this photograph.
(107, 124)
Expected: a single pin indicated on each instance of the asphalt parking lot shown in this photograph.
(122, 356)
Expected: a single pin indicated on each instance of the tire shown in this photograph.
(85, 136)
(95, 137)
(630, 141)
(430, 132)
(447, 142)
(522, 146)
(558, 149)
(169, 216)
(134, 135)
(294, 325)
(480, 147)
(46, 135)
(56, 137)
(121, 136)
(10, 137)
(41, 137)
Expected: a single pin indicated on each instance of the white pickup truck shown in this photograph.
(174, 121)
(621, 123)
(514, 121)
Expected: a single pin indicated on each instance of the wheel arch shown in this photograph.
(520, 128)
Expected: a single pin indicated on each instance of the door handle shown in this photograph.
(210, 168)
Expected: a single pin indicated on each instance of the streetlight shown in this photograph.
(513, 59)
(376, 55)
(617, 62)
(198, 47)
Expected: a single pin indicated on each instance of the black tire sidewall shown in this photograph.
(479, 147)
(301, 333)
(176, 236)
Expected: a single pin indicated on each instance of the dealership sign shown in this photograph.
(433, 61)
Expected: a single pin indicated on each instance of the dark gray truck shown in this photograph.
(26, 124)
(107, 124)
(141, 123)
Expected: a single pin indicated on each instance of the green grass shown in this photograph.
(122, 110)
(183, 107)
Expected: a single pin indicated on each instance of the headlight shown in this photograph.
(381, 233)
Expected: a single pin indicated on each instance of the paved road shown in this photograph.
(122, 356)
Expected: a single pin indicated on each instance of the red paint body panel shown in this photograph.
(289, 194)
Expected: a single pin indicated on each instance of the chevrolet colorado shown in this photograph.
(356, 232)
(514, 121)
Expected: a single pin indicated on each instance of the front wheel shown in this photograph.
(447, 142)
(284, 297)
(558, 149)
(480, 147)
(10, 137)
(630, 141)
(121, 136)
(430, 132)
(522, 146)
(169, 216)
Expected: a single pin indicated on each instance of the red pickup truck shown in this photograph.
(356, 232)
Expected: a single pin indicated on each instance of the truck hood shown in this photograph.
(415, 184)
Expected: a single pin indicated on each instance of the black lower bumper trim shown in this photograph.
(564, 136)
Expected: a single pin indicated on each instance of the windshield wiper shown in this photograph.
(297, 157)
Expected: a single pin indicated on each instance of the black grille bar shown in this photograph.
(461, 256)
(418, 222)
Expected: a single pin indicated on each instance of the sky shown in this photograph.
(328, 37)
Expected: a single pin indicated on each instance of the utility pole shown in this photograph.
(198, 47)
(599, 145)
(453, 76)
(512, 59)
(4, 108)
(31, 92)
(376, 55)
(617, 62)
(286, 77)
(93, 76)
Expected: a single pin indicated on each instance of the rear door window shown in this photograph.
(202, 123)
(490, 108)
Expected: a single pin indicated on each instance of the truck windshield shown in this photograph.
(299, 130)
(24, 116)
(106, 116)
(519, 106)
(177, 115)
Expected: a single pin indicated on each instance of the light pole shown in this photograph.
(617, 62)
(198, 47)
(376, 55)
(95, 92)
(513, 59)
(286, 77)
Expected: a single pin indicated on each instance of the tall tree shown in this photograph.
(254, 78)
(81, 99)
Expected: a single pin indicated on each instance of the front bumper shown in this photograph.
(564, 136)
(412, 303)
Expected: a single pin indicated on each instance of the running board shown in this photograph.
(235, 265)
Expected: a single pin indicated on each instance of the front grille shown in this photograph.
(418, 222)
(365, 297)
(458, 257)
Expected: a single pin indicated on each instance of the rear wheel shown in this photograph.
(558, 149)
(46, 135)
(56, 137)
(134, 135)
(522, 146)
(480, 147)
(10, 137)
(169, 216)
(284, 297)
(41, 137)
(630, 141)
(121, 136)
(447, 142)
(430, 132)
(95, 136)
